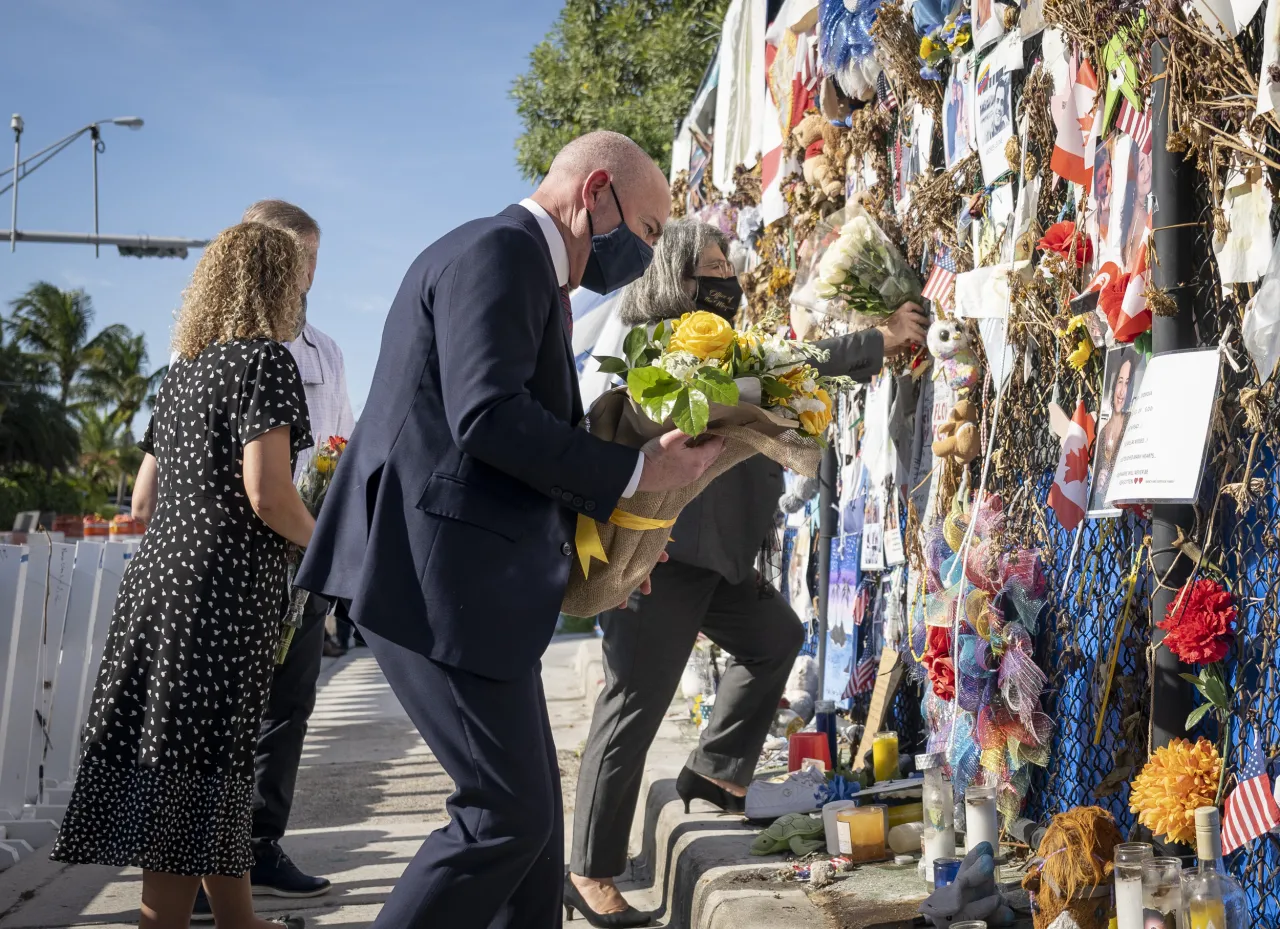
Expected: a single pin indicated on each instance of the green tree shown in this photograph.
(115, 375)
(631, 66)
(34, 428)
(101, 440)
(53, 325)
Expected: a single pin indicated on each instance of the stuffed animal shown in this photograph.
(958, 438)
(949, 344)
(798, 833)
(815, 135)
(1070, 882)
(974, 895)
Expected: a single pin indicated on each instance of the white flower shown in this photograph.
(836, 276)
(680, 365)
(808, 385)
(825, 290)
(806, 404)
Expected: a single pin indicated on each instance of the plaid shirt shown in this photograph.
(324, 380)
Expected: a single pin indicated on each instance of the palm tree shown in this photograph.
(34, 428)
(115, 377)
(100, 444)
(53, 325)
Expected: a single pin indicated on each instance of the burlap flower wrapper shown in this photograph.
(632, 553)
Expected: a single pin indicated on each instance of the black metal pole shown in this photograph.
(827, 525)
(1178, 249)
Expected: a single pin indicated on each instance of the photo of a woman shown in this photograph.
(1122, 378)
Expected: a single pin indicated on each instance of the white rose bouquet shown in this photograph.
(864, 269)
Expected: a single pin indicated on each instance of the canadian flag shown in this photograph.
(1069, 496)
(1124, 299)
(1074, 113)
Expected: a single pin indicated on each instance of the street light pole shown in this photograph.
(96, 136)
(16, 123)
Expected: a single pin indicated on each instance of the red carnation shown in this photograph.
(1200, 623)
(1061, 239)
(937, 659)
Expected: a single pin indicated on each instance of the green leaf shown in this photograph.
(636, 342)
(610, 364)
(662, 334)
(691, 411)
(643, 381)
(775, 388)
(1198, 714)
(1191, 679)
(717, 386)
(1215, 690)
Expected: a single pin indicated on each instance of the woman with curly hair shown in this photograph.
(166, 773)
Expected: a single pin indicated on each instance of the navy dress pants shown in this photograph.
(499, 864)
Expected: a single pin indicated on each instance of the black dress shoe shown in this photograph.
(691, 786)
(573, 901)
(273, 874)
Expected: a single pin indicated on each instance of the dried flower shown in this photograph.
(1200, 622)
(1179, 778)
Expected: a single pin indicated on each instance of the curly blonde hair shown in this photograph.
(248, 285)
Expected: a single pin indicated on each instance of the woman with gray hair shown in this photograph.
(709, 585)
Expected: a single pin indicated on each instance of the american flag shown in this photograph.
(938, 288)
(1251, 810)
(1135, 124)
(861, 678)
(884, 90)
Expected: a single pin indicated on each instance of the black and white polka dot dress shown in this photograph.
(166, 775)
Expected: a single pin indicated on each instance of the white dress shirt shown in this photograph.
(324, 381)
(560, 259)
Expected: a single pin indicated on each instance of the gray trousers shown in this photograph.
(645, 653)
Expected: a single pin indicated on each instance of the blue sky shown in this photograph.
(389, 121)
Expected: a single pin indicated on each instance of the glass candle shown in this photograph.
(1128, 883)
(982, 823)
(939, 812)
(862, 832)
(1162, 891)
(824, 721)
(884, 756)
(945, 871)
(970, 924)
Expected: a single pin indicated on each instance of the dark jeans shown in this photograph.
(284, 726)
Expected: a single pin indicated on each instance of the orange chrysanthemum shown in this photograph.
(1179, 778)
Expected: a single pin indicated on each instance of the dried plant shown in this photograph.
(898, 46)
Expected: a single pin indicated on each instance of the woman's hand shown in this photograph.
(906, 327)
(268, 480)
(646, 585)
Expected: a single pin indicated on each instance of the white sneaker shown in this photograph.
(797, 792)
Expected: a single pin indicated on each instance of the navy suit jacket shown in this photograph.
(449, 524)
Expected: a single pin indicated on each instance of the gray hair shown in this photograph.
(280, 214)
(660, 294)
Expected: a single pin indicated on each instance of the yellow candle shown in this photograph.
(862, 833)
(884, 756)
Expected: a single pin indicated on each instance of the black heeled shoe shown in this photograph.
(573, 900)
(691, 786)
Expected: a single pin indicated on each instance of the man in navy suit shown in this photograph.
(450, 520)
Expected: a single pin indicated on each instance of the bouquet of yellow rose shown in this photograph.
(698, 375)
(313, 485)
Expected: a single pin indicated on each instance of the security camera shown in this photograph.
(16, 123)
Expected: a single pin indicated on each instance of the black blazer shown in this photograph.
(450, 520)
(725, 526)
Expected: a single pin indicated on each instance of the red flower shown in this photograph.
(1199, 623)
(1061, 239)
(937, 659)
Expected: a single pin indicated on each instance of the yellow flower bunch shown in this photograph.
(815, 422)
(703, 334)
(1083, 349)
(1179, 778)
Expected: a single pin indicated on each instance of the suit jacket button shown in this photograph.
(589, 506)
(555, 491)
(566, 549)
(577, 501)
(567, 497)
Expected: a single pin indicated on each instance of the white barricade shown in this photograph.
(56, 601)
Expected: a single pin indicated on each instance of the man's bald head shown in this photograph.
(579, 189)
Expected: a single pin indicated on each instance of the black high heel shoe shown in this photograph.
(691, 786)
(573, 900)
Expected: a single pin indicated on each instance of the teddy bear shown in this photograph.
(956, 362)
(816, 136)
(1070, 881)
(958, 438)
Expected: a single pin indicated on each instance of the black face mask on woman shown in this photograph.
(719, 295)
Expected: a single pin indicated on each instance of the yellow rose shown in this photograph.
(703, 334)
(817, 423)
(324, 463)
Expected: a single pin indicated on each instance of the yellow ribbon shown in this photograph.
(587, 537)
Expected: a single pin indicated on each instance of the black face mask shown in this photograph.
(719, 295)
(617, 258)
